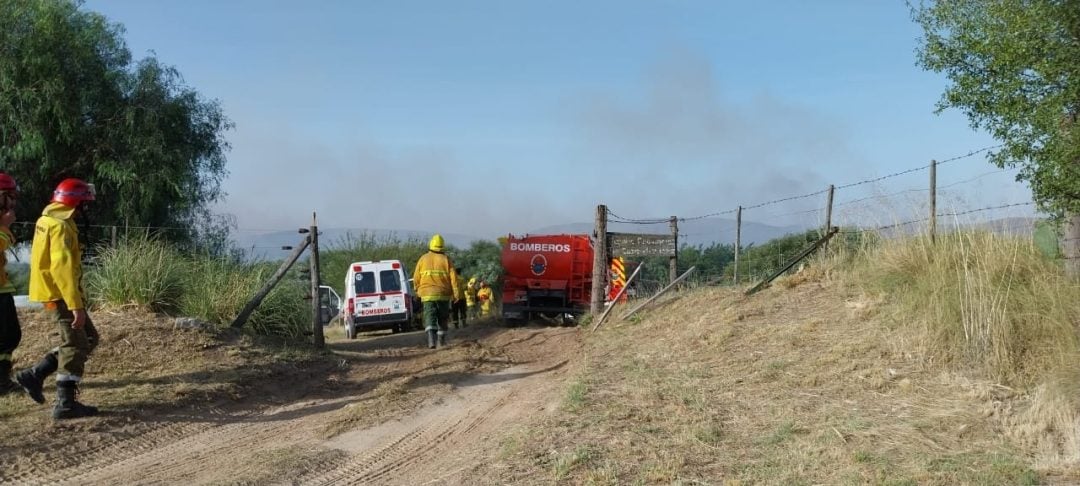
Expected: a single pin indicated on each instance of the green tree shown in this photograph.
(1014, 68)
(73, 103)
(483, 260)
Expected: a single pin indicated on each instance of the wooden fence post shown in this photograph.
(1070, 247)
(316, 303)
(828, 214)
(599, 273)
(738, 244)
(673, 262)
(933, 201)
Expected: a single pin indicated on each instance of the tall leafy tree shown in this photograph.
(73, 103)
(1014, 68)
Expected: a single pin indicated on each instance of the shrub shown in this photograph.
(141, 272)
(154, 275)
(218, 288)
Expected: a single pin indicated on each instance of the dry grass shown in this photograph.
(815, 381)
(991, 308)
(978, 300)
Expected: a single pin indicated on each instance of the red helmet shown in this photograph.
(71, 192)
(7, 183)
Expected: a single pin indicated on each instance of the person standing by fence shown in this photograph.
(56, 282)
(10, 330)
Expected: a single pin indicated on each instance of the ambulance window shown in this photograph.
(390, 281)
(364, 283)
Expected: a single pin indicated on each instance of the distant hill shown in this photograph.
(694, 233)
(267, 246)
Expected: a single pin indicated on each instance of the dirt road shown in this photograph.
(397, 414)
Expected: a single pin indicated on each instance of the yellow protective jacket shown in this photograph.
(459, 287)
(435, 278)
(484, 295)
(56, 259)
(7, 240)
(470, 293)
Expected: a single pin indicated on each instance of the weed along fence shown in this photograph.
(310, 242)
(839, 216)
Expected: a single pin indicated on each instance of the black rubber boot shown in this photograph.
(6, 385)
(67, 407)
(431, 339)
(33, 378)
(442, 339)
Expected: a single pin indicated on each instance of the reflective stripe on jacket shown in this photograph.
(56, 259)
(434, 278)
(7, 240)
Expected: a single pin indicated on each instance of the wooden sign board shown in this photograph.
(638, 245)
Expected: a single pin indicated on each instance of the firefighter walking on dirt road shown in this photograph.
(56, 282)
(436, 284)
(458, 308)
(10, 331)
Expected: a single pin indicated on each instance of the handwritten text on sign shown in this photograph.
(637, 245)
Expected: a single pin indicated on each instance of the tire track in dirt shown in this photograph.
(214, 446)
(413, 451)
(189, 457)
(51, 467)
(433, 432)
(168, 447)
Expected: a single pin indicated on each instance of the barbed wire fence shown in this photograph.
(880, 214)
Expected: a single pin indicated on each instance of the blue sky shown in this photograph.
(488, 117)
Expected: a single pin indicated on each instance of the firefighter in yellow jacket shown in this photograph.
(458, 308)
(486, 299)
(470, 299)
(436, 284)
(56, 282)
(10, 331)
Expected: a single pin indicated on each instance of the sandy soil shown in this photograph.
(395, 413)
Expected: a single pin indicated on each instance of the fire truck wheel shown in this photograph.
(350, 331)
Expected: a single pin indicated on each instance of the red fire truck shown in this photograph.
(547, 276)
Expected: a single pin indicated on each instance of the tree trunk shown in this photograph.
(1070, 247)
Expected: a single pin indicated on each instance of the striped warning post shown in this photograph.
(618, 277)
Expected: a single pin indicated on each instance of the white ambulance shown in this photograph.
(377, 296)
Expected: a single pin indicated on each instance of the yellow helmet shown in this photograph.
(436, 244)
